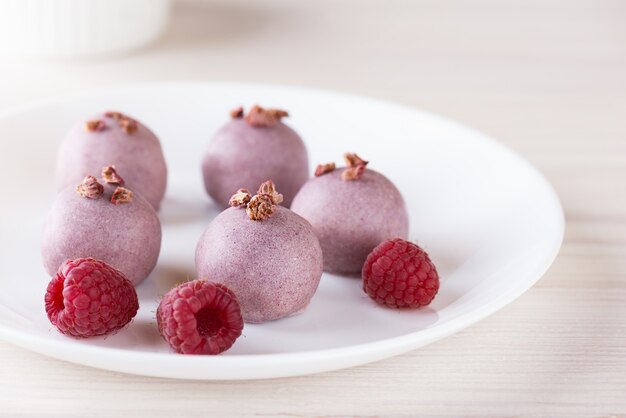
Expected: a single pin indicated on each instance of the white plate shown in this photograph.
(490, 221)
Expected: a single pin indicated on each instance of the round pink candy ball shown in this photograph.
(243, 156)
(136, 153)
(127, 235)
(351, 217)
(273, 266)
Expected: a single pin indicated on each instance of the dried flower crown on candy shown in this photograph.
(260, 206)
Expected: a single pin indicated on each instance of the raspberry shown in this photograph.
(399, 274)
(200, 317)
(88, 297)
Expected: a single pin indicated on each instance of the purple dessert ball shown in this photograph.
(273, 266)
(351, 217)
(244, 154)
(125, 235)
(114, 139)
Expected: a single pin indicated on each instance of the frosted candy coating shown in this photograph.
(244, 156)
(136, 156)
(273, 266)
(350, 218)
(127, 236)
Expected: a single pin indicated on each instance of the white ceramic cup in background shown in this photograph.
(79, 27)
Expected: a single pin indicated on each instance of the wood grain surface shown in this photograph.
(547, 78)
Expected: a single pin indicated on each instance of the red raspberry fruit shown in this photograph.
(88, 297)
(200, 317)
(399, 274)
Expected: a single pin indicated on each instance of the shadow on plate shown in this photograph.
(176, 211)
(166, 277)
(144, 332)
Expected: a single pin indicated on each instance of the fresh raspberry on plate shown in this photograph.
(399, 274)
(87, 297)
(200, 317)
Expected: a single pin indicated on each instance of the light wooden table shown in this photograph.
(548, 79)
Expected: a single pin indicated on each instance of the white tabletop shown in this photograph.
(545, 78)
